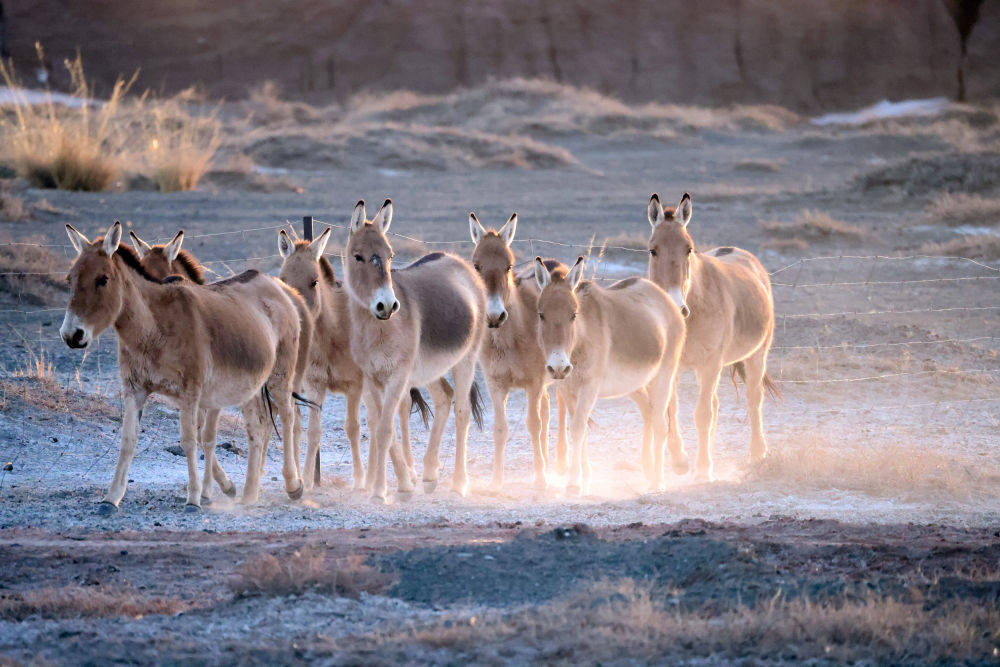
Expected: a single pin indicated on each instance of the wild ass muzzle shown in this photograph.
(510, 356)
(408, 329)
(623, 340)
(203, 347)
(725, 295)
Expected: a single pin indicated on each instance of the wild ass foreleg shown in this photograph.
(659, 393)
(704, 416)
(134, 401)
(562, 461)
(498, 397)
(383, 435)
(675, 442)
(290, 466)
(641, 400)
(441, 396)
(257, 424)
(314, 434)
(544, 414)
(352, 426)
(585, 400)
(538, 433)
(464, 375)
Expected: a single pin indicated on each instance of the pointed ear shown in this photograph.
(542, 276)
(575, 274)
(285, 244)
(318, 246)
(682, 213)
(113, 238)
(174, 247)
(476, 230)
(141, 246)
(383, 218)
(507, 231)
(358, 217)
(655, 210)
(78, 240)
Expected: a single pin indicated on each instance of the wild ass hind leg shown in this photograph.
(642, 401)
(134, 402)
(704, 416)
(756, 366)
(675, 443)
(537, 415)
(405, 444)
(207, 437)
(314, 436)
(352, 426)
(498, 397)
(442, 395)
(189, 443)
(579, 416)
(463, 374)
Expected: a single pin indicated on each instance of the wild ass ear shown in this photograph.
(78, 240)
(655, 210)
(141, 246)
(358, 217)
(682, 213)
(383, 218)
(318, 246)
(113, 238)
(285, 245)
(507, 231)
(542, 276)
(174, 247)
(575, 274)
(476, 231)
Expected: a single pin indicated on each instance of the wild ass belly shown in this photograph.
(432, 364)
(227, 389)
(624, 379)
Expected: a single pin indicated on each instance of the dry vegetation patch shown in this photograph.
(85, 601)
(810, 226)
(949, 172)
(975, 246)
(32, 274)
(964, 209)
(32, 388)
(308, 569)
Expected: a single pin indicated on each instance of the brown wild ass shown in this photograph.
(167, 259)
(510, 356)
(331, 366)
(203, 347)
(409, 328)
(725, 297)
(623, 340)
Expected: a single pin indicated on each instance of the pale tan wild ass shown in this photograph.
(725, 296)
(331, 366)
(623, 340)
(204, 347)
(409, 328)
(510, 356)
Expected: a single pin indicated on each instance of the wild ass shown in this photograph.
(510, 356)
(167, 259)
(725, 297)
(409, 328)
(623, 340)
(331, 366)
(204, 347)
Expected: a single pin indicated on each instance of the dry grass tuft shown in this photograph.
(308, 569)
(625, 618)
(32, 274)
(12, 207)
(813, 226)
(758, 166)
(33, 392)
(90, 144)
(964, 209)
(975, 246)
(85, 601)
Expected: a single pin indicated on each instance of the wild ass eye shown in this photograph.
(478, 267)
(101, 281)
(540, 316)
(314, 283)
(652, 251)
(359, 258)
(573, 316)
(690, 250)
(509, 267)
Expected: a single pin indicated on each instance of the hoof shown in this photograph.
(297, 493)
(703, 476)
(404, 495)
(191, 508)
(205, 500)
(379, 500)
(574, 491)
(541, 484)
(430, 485)
(106, 508)
(231, 491)
(460, 489)
(681, 467)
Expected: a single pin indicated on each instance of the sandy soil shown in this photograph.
(888, 418)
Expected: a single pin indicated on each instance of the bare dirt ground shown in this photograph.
(878, 506)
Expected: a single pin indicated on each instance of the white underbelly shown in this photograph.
(623, 381)
(431, 365)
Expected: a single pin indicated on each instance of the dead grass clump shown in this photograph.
(12, 207)
(180, 145)
(975, 246)
(85, 601)
(758, 166)
(949, 172)
(625, 618)
(964, 209)
(791, 244)
(308, 569)
(32, 274)
(813, 226)
(33, 389)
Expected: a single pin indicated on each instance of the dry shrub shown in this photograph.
(12, 207)
(609, 621)
(975, 246)
(308, 569)
(85, 601)
(964, 209)
(89, 144)
(948, 172)
(32, 274)
(813, 226)
(791, 244)
(885, 471)
(758, 166)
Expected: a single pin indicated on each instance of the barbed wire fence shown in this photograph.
(802, 280)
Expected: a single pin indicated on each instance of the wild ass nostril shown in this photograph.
(550, 369)
(380, 306)
(502, 318)
(395, 306)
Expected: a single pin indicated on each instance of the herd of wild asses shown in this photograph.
(270, 345)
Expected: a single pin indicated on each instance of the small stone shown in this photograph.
(9, 466)
(176, 450)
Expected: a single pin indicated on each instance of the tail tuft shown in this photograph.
(419, 405)
(772, 388)
(770, 385)
(738, 369)
(265, 397)
(476, 402)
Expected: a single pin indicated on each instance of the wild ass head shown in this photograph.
(163, 260)
(303, 266)
(671, 248)
(368, 259)
(494, 261)
(557, 312)
(96, 286)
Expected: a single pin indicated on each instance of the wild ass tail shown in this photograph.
(420, 406)
(772, 389)
(265, 398)
(476, 401)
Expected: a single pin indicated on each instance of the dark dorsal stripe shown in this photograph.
(426, 258)
(719, 252)
(173, 278)
(190, 267)
(130, 258)
(244, 277)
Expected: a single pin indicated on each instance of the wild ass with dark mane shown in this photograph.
(623, 340)
(725, 297)
(408, 329)
(204, 347)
